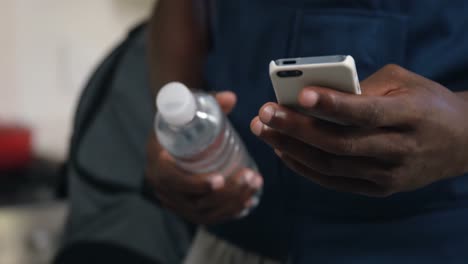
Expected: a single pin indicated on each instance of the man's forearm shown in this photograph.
(177, 42)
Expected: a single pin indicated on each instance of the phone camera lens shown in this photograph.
(289, 62)
(289, 74)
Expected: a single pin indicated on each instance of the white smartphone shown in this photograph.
(290, 76)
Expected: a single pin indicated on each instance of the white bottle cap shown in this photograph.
(176, 104)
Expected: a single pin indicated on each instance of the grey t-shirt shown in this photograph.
(106, 169)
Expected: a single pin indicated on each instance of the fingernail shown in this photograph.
(279, 153)
(267, 114)
(257, 128)
(249, 175)
(257, 183)
(217, 182)
(308, 98)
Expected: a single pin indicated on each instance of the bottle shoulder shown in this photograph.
(197, 135)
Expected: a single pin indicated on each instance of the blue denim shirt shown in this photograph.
(301, 220)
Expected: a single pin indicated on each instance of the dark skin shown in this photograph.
(201, 199)
(404, 132)
(206, 198)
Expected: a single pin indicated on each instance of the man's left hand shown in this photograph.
(403, 133)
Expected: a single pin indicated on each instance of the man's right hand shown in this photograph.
(202, 199)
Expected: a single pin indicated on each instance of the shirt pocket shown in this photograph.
(372, 38)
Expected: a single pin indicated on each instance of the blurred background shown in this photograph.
(48, 49)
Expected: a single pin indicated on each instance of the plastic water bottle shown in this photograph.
(195, 131)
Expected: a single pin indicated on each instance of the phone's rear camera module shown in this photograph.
(289, 62)
(289, 74)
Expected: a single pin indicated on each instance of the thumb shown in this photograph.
(226, 100)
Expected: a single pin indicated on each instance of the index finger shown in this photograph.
(227, 101)
(359, 110)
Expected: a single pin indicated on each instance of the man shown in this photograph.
(386, 188)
